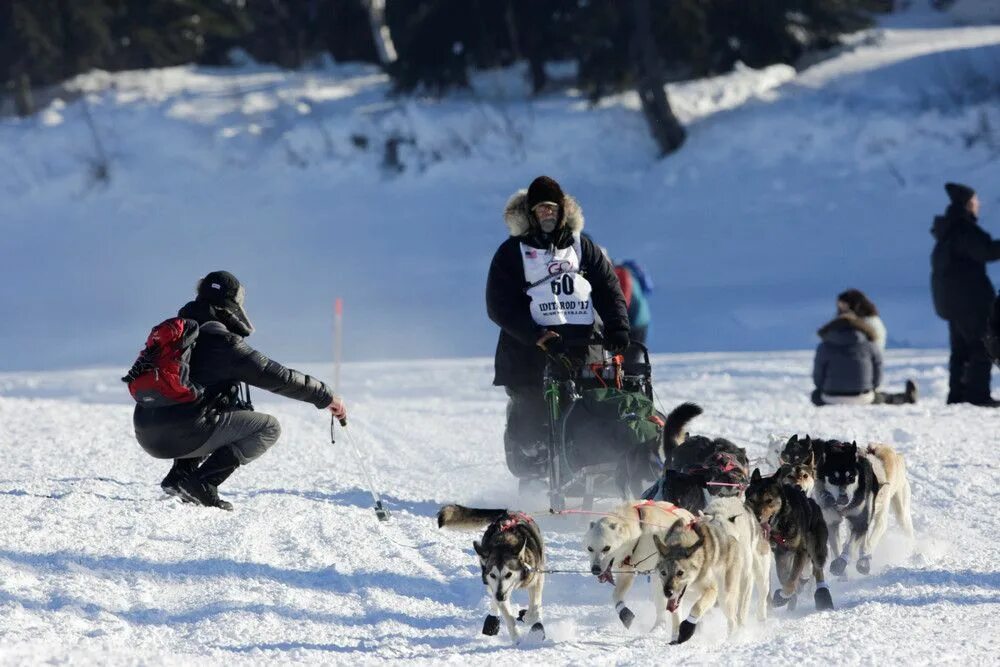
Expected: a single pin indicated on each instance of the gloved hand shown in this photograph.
(550, 341)
(616, 341)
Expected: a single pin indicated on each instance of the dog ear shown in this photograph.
(660, 546)
(480, 550)
(854, 448)
(755, 477)
(812, 458)
(793, 440)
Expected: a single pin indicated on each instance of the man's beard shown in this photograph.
(548, 225)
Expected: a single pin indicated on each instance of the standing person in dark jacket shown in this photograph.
(547, 283)
(963, 293)
(219, 425)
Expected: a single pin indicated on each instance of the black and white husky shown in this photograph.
(511, 555)
(861, 488)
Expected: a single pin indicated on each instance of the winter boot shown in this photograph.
(202, 485)
(181, 468)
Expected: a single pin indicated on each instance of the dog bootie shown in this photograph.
(686, 631)
(838, 566)
(823, 599)
(491, 625)
(537, 632)
(625, 615)
(864, 565)
(779, 599)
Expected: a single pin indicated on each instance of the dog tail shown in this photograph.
(677, 420)
(884, 453)
(459, 516)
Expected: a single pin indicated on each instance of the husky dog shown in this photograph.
(801, 474)
(641, 466)
(696, 467)
(623, 541)
(512, 555)
(684, 489)
(797, 532)
(860, 487)
(714, 555)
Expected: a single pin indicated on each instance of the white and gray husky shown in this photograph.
(622, 543)
(511, 555)
(861, 487)
(723, 554)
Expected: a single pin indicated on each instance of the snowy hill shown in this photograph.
(94, 569)
(790, 189)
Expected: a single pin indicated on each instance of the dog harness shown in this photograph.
(516, 518)
(771, 536)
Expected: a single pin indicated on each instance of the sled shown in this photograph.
(585, 446)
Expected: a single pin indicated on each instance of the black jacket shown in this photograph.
(961, 287)
(846, 362)
(518, 360)
(220, 360)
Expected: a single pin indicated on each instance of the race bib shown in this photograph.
(559, 293)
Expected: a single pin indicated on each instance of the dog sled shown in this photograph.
(600, 408)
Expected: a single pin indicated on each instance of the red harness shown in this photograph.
(772, 536)
(516, 519)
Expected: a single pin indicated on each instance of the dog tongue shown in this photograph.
(672, 604)
(606, 577)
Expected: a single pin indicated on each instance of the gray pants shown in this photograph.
(249, 433)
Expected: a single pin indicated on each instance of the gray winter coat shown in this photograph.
(847, 363)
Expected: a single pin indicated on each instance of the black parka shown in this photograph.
(220, 361)
(518, 360)
(962, 290)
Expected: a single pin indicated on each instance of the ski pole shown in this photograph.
(380, 511)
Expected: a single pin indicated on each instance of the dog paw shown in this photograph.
(824, 601)
(864, 565)
(537, 633)
(779, 600)
(686, 632)
(520, 615)
(838, 566)
(626, 616)
(491, 625)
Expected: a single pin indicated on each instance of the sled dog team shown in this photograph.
(706, 543)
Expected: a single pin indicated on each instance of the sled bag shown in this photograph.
(161, 376)
(604, 424)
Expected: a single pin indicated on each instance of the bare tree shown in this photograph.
(663, 124)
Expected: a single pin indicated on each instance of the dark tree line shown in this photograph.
(433, 44)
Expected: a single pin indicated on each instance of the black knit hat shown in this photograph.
(544, 189)
(222, 290)
(959, 194)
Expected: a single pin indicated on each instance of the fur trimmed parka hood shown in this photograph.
(518, 218)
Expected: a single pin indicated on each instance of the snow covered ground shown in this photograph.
(95, 569)
(791, 188)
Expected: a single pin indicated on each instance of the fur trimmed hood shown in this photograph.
(517, 217)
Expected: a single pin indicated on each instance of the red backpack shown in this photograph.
(161, 376)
